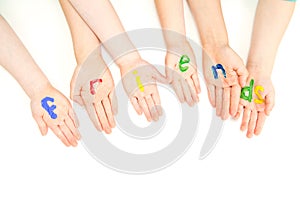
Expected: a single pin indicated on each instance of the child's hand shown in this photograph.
(52, 109)
(181, 72)
(92, 86)
(262, 103)
(139, 82)
(224, 87)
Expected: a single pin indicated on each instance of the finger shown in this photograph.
(113, 102)
(242, 74)
(41, 124)
(196, 81)
(219, 97)
(67, 133)
(74, 117)
(261, 118)
(136, 105)
(73, 129)
(193, 90)
(246, 118)
(144, 107)
(169, 71)
(270, 102)
(102, 117)
(252, 123)
(211, 94)
(158, 76)
(187, 93)
(77, 99)
(108, 110)
(152, 108)
(93, 116)
(234, 99)
(178, 90)
(225, 103)
(157, 103)
(56, 130)
(239, 112)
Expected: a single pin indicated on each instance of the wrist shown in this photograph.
(213, 49)
(259, 69)
(128, 61)
(37, 88)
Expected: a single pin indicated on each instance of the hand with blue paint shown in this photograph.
(139, 81)
(224, 71)
(222, 80)
(49, 107)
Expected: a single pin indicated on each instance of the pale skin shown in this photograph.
(271, 20)
(36, 86)
(185, 84)
(101, 104)
(92, 12)
(223, 92)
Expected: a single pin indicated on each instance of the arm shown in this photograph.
(58, 115)
(185, 83)
(271, 21)
(85, 44)
(95, 13)
(171, 16)
(210, 24)
(11, 46)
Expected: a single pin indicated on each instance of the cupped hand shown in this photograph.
(261, 105)
(224, 87)
(92, 86)
(51, 109)
(181, 72)
(139, 82)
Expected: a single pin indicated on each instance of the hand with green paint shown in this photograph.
(256, 104)
(139, 81)
(182, 73)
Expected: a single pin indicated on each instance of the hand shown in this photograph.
(224, 93)
(139, 82)
(182, 73)
(92, 86)
(256, 111)
(52, 109)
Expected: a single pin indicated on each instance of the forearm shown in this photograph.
(210, 23)
(15, 58)
(271, 20)
(84, 40)
(103, 20)
(171, 16)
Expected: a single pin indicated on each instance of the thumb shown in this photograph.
(243, 74)
(158, 76)
(270, 102)
(42, 125)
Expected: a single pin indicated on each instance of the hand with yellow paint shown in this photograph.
(139, 81)
(261, 105)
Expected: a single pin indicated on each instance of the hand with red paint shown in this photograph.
(92, 86)
(139, 81)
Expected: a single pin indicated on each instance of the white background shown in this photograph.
(36, 167)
